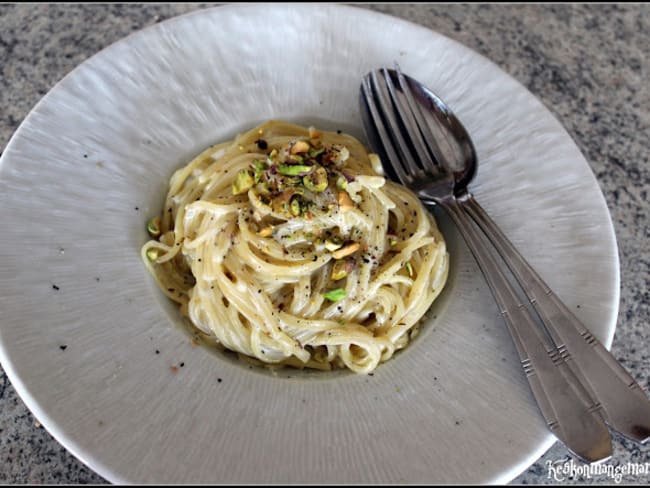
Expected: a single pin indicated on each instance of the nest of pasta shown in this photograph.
(288, 245)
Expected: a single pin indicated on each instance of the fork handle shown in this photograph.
(569, 412)
(625, 405)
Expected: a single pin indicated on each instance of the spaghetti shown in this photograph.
(288, 245)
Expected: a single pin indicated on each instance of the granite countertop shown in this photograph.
(589, 64)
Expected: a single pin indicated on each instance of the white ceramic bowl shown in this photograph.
(91, 163)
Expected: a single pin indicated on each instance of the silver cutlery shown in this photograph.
(579, 386)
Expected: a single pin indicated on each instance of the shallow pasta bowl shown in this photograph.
(91, 163)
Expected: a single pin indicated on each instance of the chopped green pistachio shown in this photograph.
(409, 268)
(332, 245)
(315, 152)
(243, 182)
(392, 240)
(341, 269)
(295, 159)
(295, 207)
(317, 180)
(284, 197)
(294, 181)
(153, 226)
(270, 159)
(294, 169)
(152, 254)
(341, 182)
(258, 167)
(338, 272)
(263, 188)
(335, 295)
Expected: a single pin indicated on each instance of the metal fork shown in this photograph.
(623, 403)
(396, 126)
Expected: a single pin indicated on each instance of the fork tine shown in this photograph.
(393, 158)
(422, 121)
(405, 112)
(386, 104)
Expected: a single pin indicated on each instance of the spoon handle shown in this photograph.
(625, 405)
(568, 409)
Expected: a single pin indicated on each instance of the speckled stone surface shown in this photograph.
(589, 64)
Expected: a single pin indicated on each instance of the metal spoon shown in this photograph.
(434, 132)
